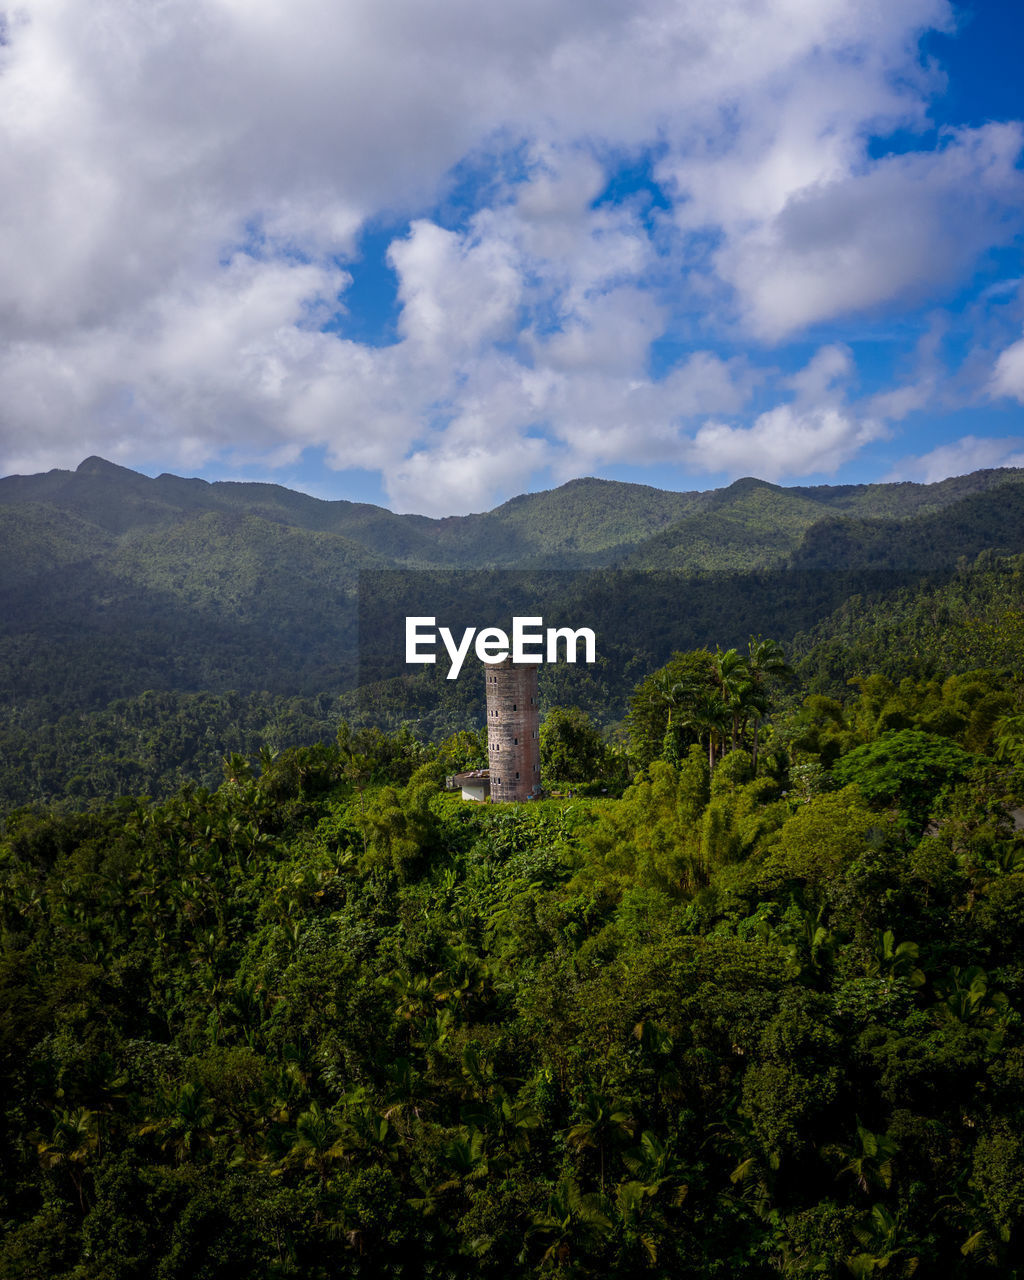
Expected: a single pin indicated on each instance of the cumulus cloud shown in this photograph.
(815, 433)
(904, 227)
(785, 441)
(186, 184)
(971, 453)
(1008, 374)
(456, 293)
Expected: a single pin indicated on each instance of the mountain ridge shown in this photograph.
(600, 520)
(112, 583)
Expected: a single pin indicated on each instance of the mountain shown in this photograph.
(585, 519)
(580, 524)
(989, 520)
(751, 524)
(113, 583)
(943, 623)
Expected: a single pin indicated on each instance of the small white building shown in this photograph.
(474, 785)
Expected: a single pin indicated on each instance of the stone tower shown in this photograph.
(513, 722)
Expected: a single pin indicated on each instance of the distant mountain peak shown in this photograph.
(94, 466)
(171, 478)
(745, 483)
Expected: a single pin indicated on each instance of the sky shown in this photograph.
(435, 255)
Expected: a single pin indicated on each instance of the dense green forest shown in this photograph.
(759, 1013)
(117, 591)
(973, 617)
(113, 585)
(149, 745)
(743, 997)
(152, 742)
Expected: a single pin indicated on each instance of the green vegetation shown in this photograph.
(571, 747)
(149, 745)
(749, 1019)
(747, 1003)
(971, 618)
(116, 588)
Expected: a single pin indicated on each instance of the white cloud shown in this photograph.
(1008, 374)
(182, 180)
(467, 471)
(785, 442)
(823, 375)
(812, 435)
(456, 293)
(903, 227)
(960, 457)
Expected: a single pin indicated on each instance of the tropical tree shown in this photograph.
(603, 1122)
(870, 1159)
(906, 769)
(571, 746)
(657, 703)
(766, 663)
(570, 1225)
(732, 679)
(1008, 735)
(318, 1140)
(709, 717)
(74, 1139)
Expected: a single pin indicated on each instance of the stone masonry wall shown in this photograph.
(513, 723)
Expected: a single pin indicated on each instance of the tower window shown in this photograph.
(517, 773)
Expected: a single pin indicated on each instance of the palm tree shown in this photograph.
(732, 676)
(1008, 734)
(75, 1137)
(318, 1140)
(654, 1165)
(670, 693)
(513, 1121)
(466, 1158)
(603, 1121)
(870, 1160)
(965, 997)
(358, 769)
(765, 661)
(185, 1125)
(756, 705)
(886, 1243)
(236, 768)
(570, 1224)
(633, 1203)
(896, 960)
(708, 714)
(404, 1094)
(366, 1128)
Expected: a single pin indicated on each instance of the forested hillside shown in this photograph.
(749, 1019)
(115, 587)
(944, 624)
(743, 998)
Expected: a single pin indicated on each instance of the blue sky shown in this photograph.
(434, 256)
